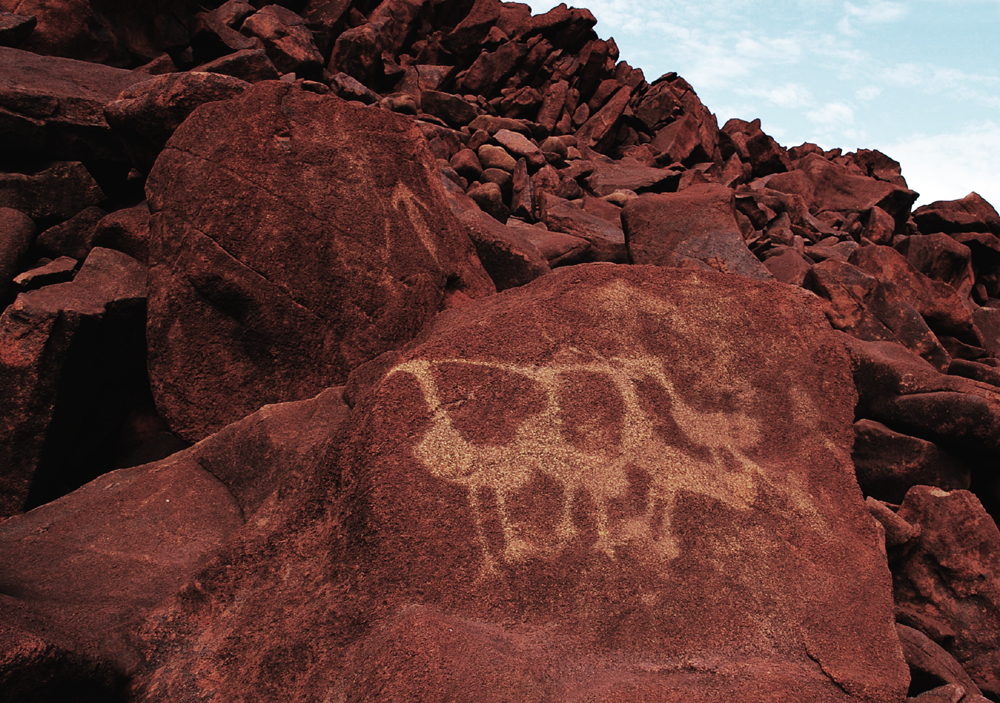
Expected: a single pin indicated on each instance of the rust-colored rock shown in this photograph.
(53, 107)
(291, 241)
(829, 186)
(145, 115)
(951, 577)
(17, 232)
(888, 463)
(696, 227)
(71, 365)
(50, 191)
(969, 214)
(530, 504)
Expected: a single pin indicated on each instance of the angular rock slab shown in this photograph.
(54, 107)
(695, 227)
(950, 582)
(613, 483)
(293, 237)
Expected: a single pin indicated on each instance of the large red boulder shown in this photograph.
(829, 186)
(54, 107)
(949, 584)
(695, 227)
(613, 483)
(969, 214)
(71, 368)
(77, 575)
(293, 237)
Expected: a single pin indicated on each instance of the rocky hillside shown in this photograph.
(423, 351)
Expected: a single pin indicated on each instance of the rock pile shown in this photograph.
(422, 350)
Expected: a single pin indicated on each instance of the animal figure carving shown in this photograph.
(720, 467)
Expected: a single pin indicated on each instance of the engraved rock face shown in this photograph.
(613, 483)
(293, 237)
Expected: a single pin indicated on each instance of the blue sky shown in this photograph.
(918, 80)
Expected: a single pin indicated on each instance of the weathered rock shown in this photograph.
(15, 28)
(695, 227)
(827, 186)
(127, 231)
(889, 463)
(522, 199)
(240, 276)
(628, 174)
(348, 88)
(930, 665)
(52, 190)
(450, 108)
(952, 576)
(897, 530)
(17, 232)
(940, 257)
(469, 543)
(879, 226)
(214, 34)
(509, 258)
(59, 271)
(71, 365)
(489, 198)
(788, 267)
(598, 132)
(490, 70)
(520, 147)
(491, 156)
(34, 669)
(73, 238)
(288, 42)
(949, 693)
(904, 392)
(869, 310)
(756, 148)
(466, 164)
(559, 249)
(250, 65)
(85, 570)
(465, 39)
(92, 563)
(969, 214)
(146, 115)
(607, 241)
(111, 33)
(938, 303)
(54, 107)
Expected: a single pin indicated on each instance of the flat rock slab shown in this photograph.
(613, 483)
(293, 237)
(40, 336)
(694, 227)
(949, 580)
(54, 107)
(94, 561)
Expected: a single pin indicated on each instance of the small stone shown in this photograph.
(496, 157)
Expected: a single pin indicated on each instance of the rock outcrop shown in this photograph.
(510, 374)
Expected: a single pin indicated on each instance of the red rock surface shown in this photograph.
(950, 579)
(269, 287)
(296, 241)
(545, 462)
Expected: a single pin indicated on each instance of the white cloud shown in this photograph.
(943, 80)
(874, 12)
(868, 92)
(951, 165)
(835, 114)
(789, 95)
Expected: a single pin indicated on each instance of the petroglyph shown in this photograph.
(719, 466)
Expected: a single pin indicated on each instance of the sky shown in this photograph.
(917, 80)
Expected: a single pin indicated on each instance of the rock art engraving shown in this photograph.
(720, 468)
